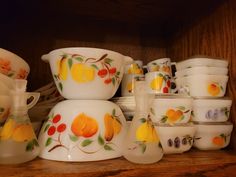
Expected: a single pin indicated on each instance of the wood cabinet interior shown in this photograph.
(140, 29)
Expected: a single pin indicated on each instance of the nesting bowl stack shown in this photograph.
(86, 126)
(205, 79)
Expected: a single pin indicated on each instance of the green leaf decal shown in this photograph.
(192, 113)
(100, 140)
(48, 142)
(73, 138)
(143, 147)
(35, 142)
(143, 120)
(70, 62)
(79, 59)
(46, 128)
(86, 142)
(182, 108)
(108, 148)
(1, 110)
(30, 146)
(113, 81)
(221, 88)
(95, 66)
(10, 75)
(60, 86)
(113, 112)
(108, 60)
(182, 117)
(164, 119)
(152, 111)
(118, 73)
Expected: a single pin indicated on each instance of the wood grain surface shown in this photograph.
(214, 36)
(193, 163)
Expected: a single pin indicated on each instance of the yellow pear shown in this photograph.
(82, 73)
(7, 129)
(62, 68)
(147, 133)
(156, 83)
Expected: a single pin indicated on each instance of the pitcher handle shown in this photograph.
(35, 96)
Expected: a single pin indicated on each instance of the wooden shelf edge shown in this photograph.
(205, 163)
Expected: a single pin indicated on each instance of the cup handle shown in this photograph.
(34, 96)
(45, 58)
(128, 60)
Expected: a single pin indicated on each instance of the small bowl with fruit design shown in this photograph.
(171, 109)
(211, 109)
(87, 73)
(212, 136)
(83, 130)
(202, 85)
(12, 65)
(177, 138)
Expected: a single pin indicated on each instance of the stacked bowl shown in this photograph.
(169, 112)
(11, 67)
(86, 127)
(205, 79)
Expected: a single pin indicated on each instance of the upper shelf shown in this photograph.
(159, 14)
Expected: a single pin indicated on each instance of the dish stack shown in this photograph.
(205, 79)
(86, 127)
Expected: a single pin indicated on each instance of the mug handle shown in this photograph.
(34, 96)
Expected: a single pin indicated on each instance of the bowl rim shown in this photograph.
(84, 48)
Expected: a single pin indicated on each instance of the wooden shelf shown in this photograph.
(193, 163)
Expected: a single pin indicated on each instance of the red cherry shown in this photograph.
(102, 73)
(168, 83)
(165, 90)
(107, 81)
(51, 130)
(112, 70)
(61, 128)
(56, 118)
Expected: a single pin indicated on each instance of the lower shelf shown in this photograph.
(193, 163)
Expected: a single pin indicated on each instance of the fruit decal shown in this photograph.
(161, 83)
(22, 132)
(53, 127)
(173, 115)
(84, 70)
(219, 140)
(176, 142)
(145, 134)
(135, 69)
(112, 126)
(214, 89)
(161, 67)
(214, 114)
(5, 68)
(85, 132)
(4, 113)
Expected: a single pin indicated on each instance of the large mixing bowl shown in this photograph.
(87, 73)
(83, 130)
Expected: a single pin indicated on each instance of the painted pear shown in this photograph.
(62, 69)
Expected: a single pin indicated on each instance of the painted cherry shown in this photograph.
(112, 70)
(61, 128)
(107, 81)
(56, 118)
(102, 72)
(165, 90)
(51, 130)
(168, 83)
